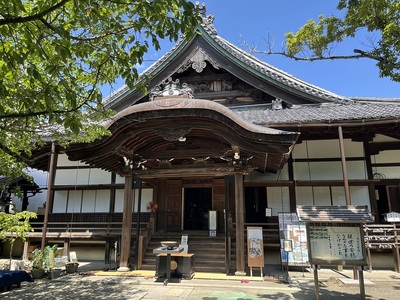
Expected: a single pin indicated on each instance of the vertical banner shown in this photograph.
(212, 222)
(255, 248)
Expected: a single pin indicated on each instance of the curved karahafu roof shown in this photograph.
(172, 133)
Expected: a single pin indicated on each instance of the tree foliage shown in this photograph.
(56, 54)
(380, 19)
(14, 226)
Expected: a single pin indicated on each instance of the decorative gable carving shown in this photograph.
(198, 62)
(170, 88)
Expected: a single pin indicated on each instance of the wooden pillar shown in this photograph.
(344, 167)
(239, 215)
(50, 183)
(371, 187)
(126, 225)
(292, 188)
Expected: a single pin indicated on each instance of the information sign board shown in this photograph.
(336, 245)
(291, 229)
(255, 248)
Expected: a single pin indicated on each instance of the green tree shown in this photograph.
(378, 19)
(56, 54)
(14, 226)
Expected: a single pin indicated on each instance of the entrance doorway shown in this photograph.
(197, 203)
(256, 204)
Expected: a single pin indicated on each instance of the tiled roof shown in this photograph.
(278, 75)
(319, 113)
(334, 214)
(273, 74)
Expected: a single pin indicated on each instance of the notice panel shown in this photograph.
(291, 229)
(255, 248)
(335, 244)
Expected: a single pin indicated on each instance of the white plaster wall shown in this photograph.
(321, 196)
(386, 156)
(74, 201)
(60, 201)
(280, 175)
(89, 201)
(88, 252)
(278, 199)
(147, 196)
(384, 138)
(63, 161)
(82, 176)
(360, 196)
(102, 201)
(327, 149)
(119, 179)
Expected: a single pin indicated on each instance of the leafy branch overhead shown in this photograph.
(56, 54)
(379, 19)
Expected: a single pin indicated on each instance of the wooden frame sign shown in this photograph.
(336, 244)
(255, 249)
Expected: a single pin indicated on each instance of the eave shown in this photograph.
(212, 131)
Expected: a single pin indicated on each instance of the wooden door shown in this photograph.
(173, 205)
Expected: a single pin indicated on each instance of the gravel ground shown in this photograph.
(87, 286)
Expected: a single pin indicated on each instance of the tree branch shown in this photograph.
(299, 58)
(8, 19)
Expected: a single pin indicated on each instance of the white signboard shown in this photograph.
(336, 243)
(255, 248)
(392, 217)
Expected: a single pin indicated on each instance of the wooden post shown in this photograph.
(25, 253)
(66, 247)
(344, 167)
(239, 199)
(140, 254)
(126, 225)
(138, 185)
(228, 223)
(50, 183)
(396, 250)
(316, 284)
(361, 283)
(346, 183)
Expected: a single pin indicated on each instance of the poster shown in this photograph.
(255, 247)
(291, 229)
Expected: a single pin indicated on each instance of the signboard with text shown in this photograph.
(255, 247)
(291, 229)
(336, 244)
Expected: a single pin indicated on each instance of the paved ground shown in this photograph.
(379, 285)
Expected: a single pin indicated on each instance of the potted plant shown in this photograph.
(71, 267)
(37, 271)
(51, 252)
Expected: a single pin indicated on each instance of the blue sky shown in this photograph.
(257, 20)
